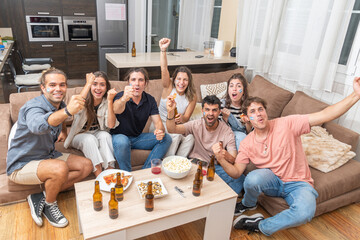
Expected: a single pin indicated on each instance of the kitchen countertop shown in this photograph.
(4, 56)
(124, 60)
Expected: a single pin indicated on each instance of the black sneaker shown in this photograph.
(240, 208)
(54, 215)
(250, 223)
(36, 202)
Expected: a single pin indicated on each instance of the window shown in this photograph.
(350, 34)
(216, 19)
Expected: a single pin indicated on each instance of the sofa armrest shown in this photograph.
(5, 123)
(343, 134)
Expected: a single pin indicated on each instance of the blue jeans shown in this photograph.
(300, 196)
(238, 128)
(235, 184)
(147, 141)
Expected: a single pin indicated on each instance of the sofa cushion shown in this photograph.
(209, 78)
(276, 97)
(218, 89)
(303, 104)
(323, 152)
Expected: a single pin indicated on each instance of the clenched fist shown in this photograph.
(76, 104)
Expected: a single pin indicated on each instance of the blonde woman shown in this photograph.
(181, 87)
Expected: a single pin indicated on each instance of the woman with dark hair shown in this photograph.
(182, 88)
(236, 94)
(89, 130)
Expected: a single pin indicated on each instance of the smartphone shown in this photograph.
(199, 56)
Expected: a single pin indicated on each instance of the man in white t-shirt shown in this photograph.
(212, 137)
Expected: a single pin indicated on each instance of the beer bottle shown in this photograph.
(201, 175)
(133, 50)
(149, 198)
(97, 198)
(119, 188)
(211, 169)
(113, 205)
(197, 184)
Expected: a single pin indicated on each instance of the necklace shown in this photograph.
(263, 143)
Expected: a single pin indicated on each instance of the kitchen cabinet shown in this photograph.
(79, 8)
(54, 50)
(43, 7)
(81, 58)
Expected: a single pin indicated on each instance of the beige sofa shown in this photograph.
(336, 189)
(10, 191)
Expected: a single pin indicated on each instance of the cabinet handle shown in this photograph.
(79, 14)
(81, 45)
(43, 13)
(47, 45)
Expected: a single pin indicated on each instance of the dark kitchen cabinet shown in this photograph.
(79, 8)
(43, 7)
(82, 58)
(54, 50)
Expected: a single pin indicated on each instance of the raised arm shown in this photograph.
(76, 104)
(165, 76)
(119, 104)
(111, 118)
(220, 152)
(90, 78)
(336, 110)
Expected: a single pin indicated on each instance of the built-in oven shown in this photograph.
(79, 28)
(44, 28)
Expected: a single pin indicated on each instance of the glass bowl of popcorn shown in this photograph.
(176, 166)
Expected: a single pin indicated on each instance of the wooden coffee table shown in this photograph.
(216, 203)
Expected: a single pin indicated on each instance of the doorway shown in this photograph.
(162, 21)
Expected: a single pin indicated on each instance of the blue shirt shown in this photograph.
(34, 138)
(134, 118)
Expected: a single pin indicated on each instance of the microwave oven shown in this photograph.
(79, 28)
(44, 28)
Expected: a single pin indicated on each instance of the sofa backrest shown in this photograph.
(210, 78)
(154, 87)
(276, 97)
(301, 103)
(17, 100)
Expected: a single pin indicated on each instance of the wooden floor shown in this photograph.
(16, 223)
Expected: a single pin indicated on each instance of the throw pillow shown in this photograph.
(218, 89)
(324, 152)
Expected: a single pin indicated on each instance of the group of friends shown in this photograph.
(108, 124)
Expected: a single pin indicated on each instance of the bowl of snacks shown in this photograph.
(176, 166)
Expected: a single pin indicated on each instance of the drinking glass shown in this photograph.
(156, 166)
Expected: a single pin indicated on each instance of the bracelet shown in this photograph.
(170, 118)
(67, 112)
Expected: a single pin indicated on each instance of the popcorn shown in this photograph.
(177, 165)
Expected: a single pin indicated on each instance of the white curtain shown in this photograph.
(297, 40)
(195, 20)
